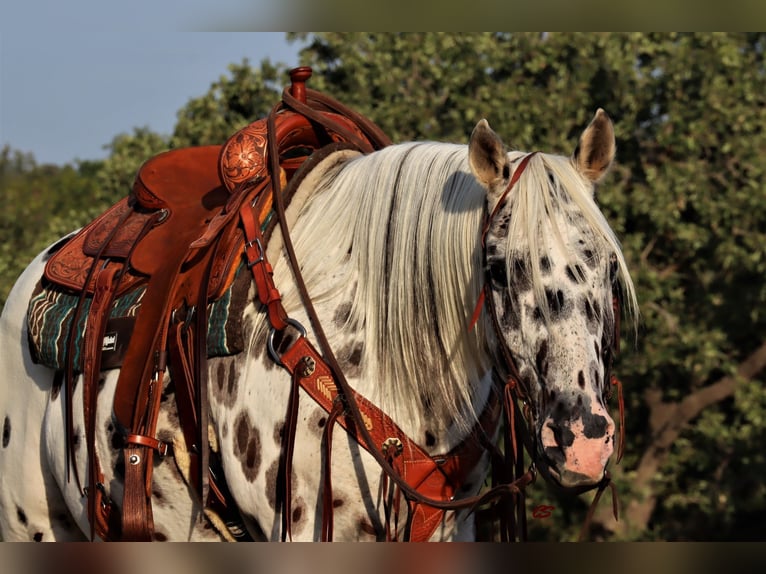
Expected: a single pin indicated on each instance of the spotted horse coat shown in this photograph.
(390, 246)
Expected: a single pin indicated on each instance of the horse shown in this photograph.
(399, 248)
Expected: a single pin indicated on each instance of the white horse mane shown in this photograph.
(405, 224)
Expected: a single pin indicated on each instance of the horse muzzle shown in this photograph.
(575, 453)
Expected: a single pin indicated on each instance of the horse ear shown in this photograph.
(596, 149)
(487, 157)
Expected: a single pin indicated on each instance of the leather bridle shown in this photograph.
(516, 391)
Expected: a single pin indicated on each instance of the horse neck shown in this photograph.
(389, 247)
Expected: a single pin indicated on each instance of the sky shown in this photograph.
(65, 94)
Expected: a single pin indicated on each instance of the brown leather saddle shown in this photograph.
(179, 235)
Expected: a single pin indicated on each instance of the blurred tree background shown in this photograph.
(687, 197)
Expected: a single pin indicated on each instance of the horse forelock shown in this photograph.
(537, 222)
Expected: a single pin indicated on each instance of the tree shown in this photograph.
(687, 199)
(127, 152)
(42, 203)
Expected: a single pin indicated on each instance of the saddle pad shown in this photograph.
(51, 309)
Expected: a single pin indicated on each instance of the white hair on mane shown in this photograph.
(405, 225)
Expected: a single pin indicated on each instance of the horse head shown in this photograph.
(552, 270)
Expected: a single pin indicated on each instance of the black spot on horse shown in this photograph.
(589, 314)
(545, 265)
(232, 381)
(337, 502)
(430, 439)
(297, 514)
(342, 314)
(21, 515)
(242, 426)
(575, 273)
(555, 301)
(6, 432)
(498, 274)
(283, 341)
(159, 537)
(581, 379)
(168, 391)
(247, 446)
(350, 358)
(58, 382)
(522, 279)
(220, 377)
(503, 221)
(116, 439)
(271, 483)
(541, 359)
(511, 318)
(366, 527)
(38, 537)
(316, 422)
(590, 260)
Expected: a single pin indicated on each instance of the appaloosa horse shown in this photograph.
(396, 248)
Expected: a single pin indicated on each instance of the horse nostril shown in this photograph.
(562, 435)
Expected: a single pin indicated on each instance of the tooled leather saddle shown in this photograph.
(179, 236)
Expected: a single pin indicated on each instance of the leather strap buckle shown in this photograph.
(163, 448)
(254, 243)
(270, 342)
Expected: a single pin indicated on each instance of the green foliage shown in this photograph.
(127, 153)
(41, 203)
(686, 197)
